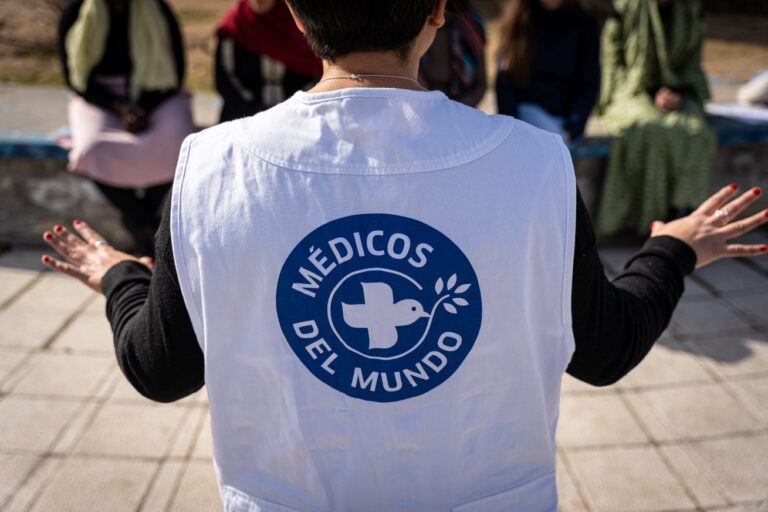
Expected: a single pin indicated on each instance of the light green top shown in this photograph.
(642, 52)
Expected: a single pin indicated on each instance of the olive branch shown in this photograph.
(450, 286)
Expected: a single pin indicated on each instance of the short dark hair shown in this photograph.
(335, 28)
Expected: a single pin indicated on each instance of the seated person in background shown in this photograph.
(124, 60)
(262, 58)
(549, 65)
(455, 63)
(653, 104)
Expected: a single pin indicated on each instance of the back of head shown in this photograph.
(336, 28)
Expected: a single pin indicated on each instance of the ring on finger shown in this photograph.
(99, 243)
(722, 216)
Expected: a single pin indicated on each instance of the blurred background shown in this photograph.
(737, 42)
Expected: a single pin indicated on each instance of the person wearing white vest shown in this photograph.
(381, 289)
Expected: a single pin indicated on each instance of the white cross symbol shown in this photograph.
(381, 315)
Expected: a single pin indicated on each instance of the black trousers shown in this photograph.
(241, 82)
(140, 212)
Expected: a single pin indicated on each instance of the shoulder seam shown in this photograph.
(485, 147)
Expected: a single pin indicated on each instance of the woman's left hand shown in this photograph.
(135, 120)
(668, 100)
(88, 256)
(710, 229)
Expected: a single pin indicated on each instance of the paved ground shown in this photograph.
(686, 431)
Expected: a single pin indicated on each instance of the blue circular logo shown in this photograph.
(380, 307)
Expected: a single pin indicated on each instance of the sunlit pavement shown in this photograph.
(688, 430)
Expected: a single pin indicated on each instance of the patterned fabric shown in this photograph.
(658, 160)
(455, 64)
(273, 34)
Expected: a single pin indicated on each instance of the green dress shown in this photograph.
(658, 160)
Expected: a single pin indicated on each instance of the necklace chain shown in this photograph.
(359, 78)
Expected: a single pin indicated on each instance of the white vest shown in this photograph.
(380, 281)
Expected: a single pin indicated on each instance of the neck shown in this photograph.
(369, 63)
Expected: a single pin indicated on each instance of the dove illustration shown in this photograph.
(381, 315)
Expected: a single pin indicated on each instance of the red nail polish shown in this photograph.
(734, 186)
(766, 213)
(652, 224)
(48, 236)
(77, 222)
(46, 259)
(58, 229)
(757, 191)
(764, 248)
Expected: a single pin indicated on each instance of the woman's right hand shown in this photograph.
(133, 118)
(87, 256)
(715, 223)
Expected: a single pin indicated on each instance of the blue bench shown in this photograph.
(729, 132)
(33, 182)
(31, 147)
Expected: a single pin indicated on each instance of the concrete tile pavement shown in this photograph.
(686, 431)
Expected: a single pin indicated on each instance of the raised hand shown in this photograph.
(87, 257)
(715, 223)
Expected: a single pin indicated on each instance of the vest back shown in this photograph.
(380, 281)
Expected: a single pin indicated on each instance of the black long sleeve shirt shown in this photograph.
(565, 68)
(117, 59)
(615, 324)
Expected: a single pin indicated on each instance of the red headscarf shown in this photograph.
(273, 34)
